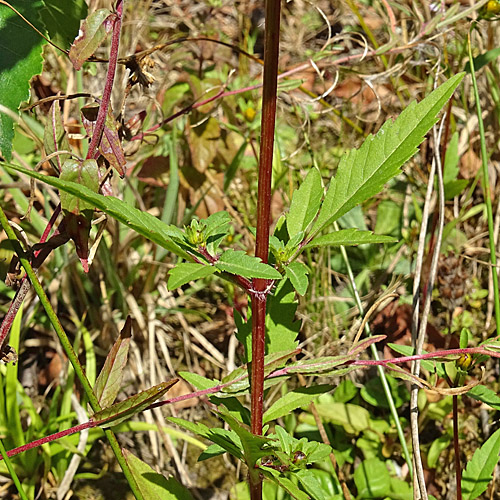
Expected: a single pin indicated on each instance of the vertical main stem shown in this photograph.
(259, 296)
(456, 447)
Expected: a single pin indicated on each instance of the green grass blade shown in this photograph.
(479, 470)
(486, 189)
(12, 472)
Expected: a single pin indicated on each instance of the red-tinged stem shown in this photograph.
(52, 437)
(259, 295)
(456, 446)
(93, 151)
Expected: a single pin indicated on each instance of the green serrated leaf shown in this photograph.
(214, 450)
(93, 32)
(62, 20)
(20, 60)
(294, 399)
(239, 263)
(147, 225)
(84, 173)
(282, 328)
(109, 381)
(349, 237)
(123, 410)
(297, 273)
(251, 443)
(185, 272)
(479, 470)
(305, 203)
(153, 485)
(363, 172)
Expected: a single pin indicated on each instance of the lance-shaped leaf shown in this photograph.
(55, 138)
(110, 145)
(153, 485)
(239, 263)
(297, 273)
(486, 395)
(187, 271)
(349, 237)
(93, 32)
(363, 172)
(284, 482)
(357, 348)
(479, 470)
(109, 381)
(123, 410)
(305, 203)
(83, 173)
(147, 225)
(320, 365)
(252, 444)
(228, 440)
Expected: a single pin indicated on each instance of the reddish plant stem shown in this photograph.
(93, 151)
(260, 286)
(270, 86)
(52, 437)
(456, 446)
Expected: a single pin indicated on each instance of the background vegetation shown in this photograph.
(188, 109)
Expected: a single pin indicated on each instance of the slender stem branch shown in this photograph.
(93, 151)
(456, 446)
(12, 471)
(51, 437)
